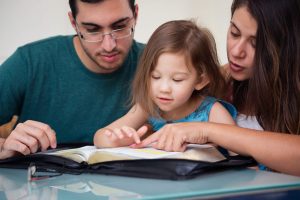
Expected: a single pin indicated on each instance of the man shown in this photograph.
(64, 88)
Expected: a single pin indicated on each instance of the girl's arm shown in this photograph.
(124, 131)
(219, 114)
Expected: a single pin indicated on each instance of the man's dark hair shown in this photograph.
(74, 9)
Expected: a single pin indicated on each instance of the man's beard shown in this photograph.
(109, 68)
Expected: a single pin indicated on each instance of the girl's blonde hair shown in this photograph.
(179, 36)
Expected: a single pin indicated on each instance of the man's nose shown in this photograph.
(108, 42)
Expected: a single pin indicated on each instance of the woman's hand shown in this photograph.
(175, 137)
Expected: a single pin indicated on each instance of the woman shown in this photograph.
(263, 48)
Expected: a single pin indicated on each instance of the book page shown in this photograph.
(207, 152)
(77, 154)
(143, 153)
(93, 155)
(127, 153)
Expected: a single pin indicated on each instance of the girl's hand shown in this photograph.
(125, 133)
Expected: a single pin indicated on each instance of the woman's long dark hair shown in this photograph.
(273, 93)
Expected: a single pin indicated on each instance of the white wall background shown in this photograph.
(23, 21)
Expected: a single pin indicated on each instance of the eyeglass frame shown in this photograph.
(111, 33)
(46, 173)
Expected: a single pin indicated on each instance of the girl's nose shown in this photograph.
(165, 86)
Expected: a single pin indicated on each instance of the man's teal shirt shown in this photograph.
(46, 81)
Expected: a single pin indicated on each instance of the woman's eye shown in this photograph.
(234, 34)
(253, 43)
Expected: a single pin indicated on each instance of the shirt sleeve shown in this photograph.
(12, 86)
(230, 108)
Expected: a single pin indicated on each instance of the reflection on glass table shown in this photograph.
(14, 185)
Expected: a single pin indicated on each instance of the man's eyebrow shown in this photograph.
(90, 24)
(121, 20)
(99, 26)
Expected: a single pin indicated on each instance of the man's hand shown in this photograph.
(29, 137)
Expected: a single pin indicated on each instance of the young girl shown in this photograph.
(177, 75)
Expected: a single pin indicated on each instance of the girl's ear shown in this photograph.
(202, 82)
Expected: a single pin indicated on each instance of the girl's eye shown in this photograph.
(178, 80)
(155, 77)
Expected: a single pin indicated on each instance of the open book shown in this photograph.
(145, 162)
(91, 155)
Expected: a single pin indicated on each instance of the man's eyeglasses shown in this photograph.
(36, 173)
(99, 36)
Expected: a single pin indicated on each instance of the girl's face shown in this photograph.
(172, 83)
(241, 41)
